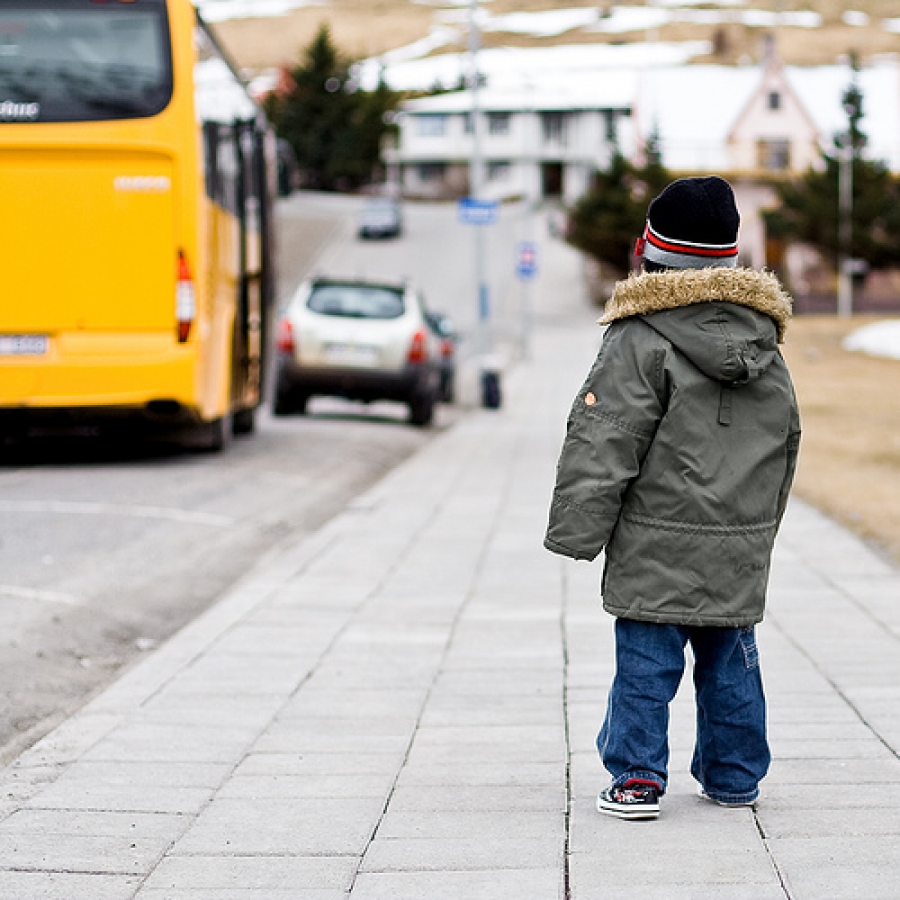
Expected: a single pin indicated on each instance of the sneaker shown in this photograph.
(739, 804)
(632, 800)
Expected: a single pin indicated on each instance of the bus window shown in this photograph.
(82, 61)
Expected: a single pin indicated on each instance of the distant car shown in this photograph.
(442, 327)
(360, 340)
(381, 217)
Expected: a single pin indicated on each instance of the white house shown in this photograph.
(753, 124)
(535, 142)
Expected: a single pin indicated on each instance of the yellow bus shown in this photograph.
(136, 176)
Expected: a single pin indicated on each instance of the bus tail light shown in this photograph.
(285, 338)
(185, 299)
(418, 352)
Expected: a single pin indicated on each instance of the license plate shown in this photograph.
(23, 344)
(351, 355)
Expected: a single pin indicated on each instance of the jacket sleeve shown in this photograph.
(610, 428)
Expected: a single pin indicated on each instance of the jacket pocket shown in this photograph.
(749, 648)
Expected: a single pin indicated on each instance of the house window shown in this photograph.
(498, 123)
(774, 100)
(498, 171)
(431, 125)
(774, 155)
(610, 131)
(468, 123)
(553, 126)
(431, 172)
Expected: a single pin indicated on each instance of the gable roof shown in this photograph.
(773, 71)
(694, 108)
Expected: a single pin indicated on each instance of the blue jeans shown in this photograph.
(731, 754)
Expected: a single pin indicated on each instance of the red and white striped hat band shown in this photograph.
(679, 254)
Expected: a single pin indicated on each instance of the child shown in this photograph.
(679, 455)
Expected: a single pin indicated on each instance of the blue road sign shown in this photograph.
(526, 260)
(477, 212)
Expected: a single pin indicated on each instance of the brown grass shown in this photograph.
(363, 28)
(850, 406)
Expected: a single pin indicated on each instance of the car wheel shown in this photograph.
(448, 388)
(289, 403)
(288, 399)
(421, 409)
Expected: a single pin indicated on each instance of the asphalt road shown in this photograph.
(107, 546)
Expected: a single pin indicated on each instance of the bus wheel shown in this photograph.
(211, 437)
(244, 421)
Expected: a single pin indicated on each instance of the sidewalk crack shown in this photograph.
(564, 591)
(776, 868)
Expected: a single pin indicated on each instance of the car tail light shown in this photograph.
(446, 348)
(418, 351)
(185, 299)
(285, 339)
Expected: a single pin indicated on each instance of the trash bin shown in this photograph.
(491, 393)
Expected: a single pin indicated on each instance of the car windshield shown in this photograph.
(357, 301)
(82, 61)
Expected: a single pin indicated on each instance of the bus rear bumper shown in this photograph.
(97, 372)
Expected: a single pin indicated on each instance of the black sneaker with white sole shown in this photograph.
(632, 800)
(729, 804)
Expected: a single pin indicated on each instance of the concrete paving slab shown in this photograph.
(844, 869)
(355, 761)
(95, 823)
(258, 873)
(283, 828)
(877, 820)
(240, 894)
(499, 798)
(84, 854)
(523, 775)
(457, 824)
(67, 886)
(306, 787)
(699, 891)
(484, 852)
(839, 773)
(488, 884)
(154, 742)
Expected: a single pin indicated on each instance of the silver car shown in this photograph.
(380, 218)
(357, 339)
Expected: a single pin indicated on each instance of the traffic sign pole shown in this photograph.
(526, 270)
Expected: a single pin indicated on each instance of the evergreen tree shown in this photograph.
(334, 127)
(809, 208)
(608, 219)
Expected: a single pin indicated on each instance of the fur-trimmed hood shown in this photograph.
(650, 292)
(728, 322)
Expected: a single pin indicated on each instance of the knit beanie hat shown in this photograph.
(692, 224)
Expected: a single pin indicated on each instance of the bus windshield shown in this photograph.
(83, 61)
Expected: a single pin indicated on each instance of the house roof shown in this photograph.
(694, 108)
(613, 89)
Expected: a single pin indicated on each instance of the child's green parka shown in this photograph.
(681, 448)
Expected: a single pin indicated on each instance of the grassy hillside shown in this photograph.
(364, 28)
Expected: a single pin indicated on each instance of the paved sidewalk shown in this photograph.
(403, 707)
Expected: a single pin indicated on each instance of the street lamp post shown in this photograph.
(845, 227)
(490, 376)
